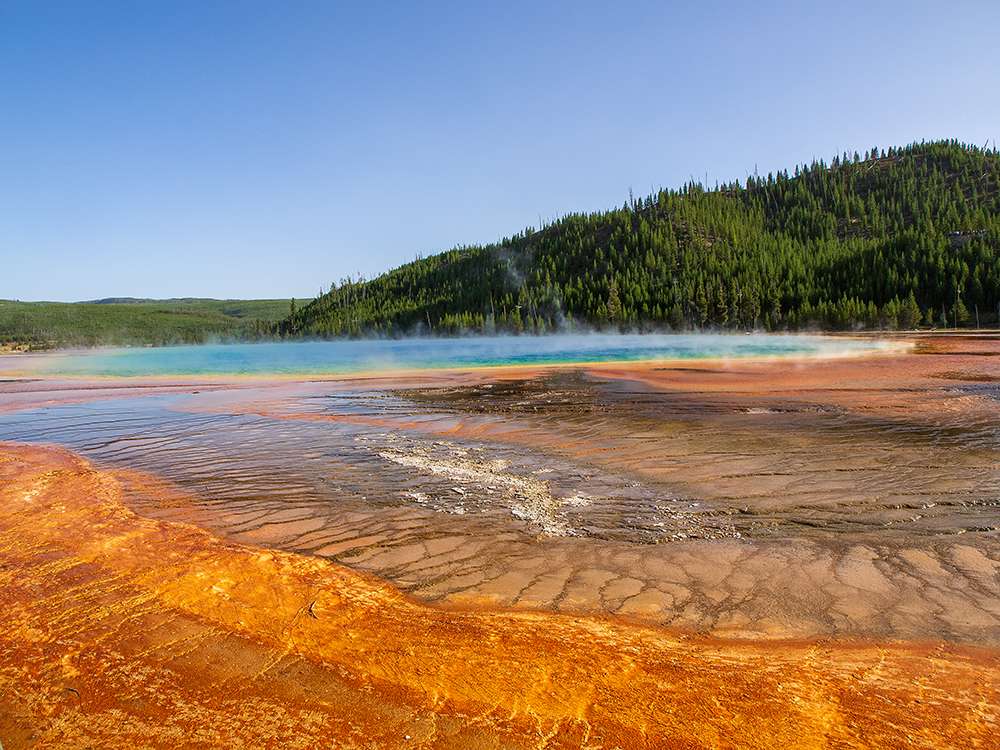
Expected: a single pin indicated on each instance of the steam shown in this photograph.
(337, 358)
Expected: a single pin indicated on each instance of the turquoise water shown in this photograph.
(353, 357)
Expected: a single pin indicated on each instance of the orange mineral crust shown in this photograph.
(118, 631)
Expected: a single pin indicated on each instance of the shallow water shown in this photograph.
(795, 507)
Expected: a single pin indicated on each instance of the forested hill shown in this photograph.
(889, 239)
(125, 321)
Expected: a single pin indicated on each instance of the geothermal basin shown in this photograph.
(744, 550)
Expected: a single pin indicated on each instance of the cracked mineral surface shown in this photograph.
(800, 553)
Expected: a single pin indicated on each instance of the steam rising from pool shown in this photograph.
(354, 357)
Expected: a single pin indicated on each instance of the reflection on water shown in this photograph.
(664, 494)
(329, 468)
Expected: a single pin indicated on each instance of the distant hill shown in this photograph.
(117, 301)
(126, 321)
(887, 239)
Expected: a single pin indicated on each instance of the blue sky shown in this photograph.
(250, 149)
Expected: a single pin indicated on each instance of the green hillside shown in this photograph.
(887, 239)
(127, 321)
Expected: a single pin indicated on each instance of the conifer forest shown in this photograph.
(888, 239)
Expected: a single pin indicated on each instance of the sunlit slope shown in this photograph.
(886, 239)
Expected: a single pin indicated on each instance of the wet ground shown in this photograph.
(118, 631)
(743, 499)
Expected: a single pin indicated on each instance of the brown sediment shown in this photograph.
(852, 497)
(119, 631)
(780, 498)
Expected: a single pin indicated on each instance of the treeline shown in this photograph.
(130, 322)
(887, 239)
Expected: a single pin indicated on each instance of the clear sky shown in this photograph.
(264, 149)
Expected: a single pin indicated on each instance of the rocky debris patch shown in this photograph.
(475, 482)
